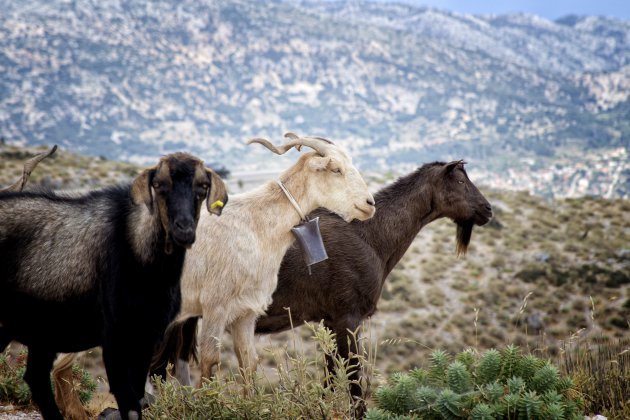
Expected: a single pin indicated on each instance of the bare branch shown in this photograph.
(29, 166)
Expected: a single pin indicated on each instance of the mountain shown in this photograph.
(530, 103)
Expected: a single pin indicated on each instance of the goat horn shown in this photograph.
(319, 144)
(279, 150)
(29, 166)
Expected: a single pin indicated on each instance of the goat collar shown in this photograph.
(292, 200)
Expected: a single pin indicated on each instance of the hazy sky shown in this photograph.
(551, 9)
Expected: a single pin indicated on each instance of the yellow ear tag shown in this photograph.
(216, 204)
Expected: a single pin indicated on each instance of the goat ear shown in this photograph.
(452, 165)
(217, 194)
(141, 188)
(319, 163)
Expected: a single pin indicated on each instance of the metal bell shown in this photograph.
(310, 239)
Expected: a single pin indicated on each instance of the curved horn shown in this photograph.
(319, 144)
(279, 150)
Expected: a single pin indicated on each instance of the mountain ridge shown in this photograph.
(394, 84)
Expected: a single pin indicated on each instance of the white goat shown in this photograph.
(232, 269)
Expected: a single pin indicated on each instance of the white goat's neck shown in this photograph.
(296, 186)
(279, 215)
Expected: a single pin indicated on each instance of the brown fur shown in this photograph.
(141, 190)
(345, 289)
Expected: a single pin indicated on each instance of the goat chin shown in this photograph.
(364, 213)
(358, 214)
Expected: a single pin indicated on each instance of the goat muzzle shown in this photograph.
(183, 233)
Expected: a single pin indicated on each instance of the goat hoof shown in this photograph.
(109, 414)
(360, 409)
(133, 415)
(147, 400)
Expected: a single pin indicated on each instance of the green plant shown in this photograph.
(15, 391)
(297, 392)
(494, 385)
(86, 385)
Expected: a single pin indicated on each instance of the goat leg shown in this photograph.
(178, 346)
(187, 351)
(37, 376)
(139, 361)
(347, 349)
(118, 371)
(243, 336)
(209, 338)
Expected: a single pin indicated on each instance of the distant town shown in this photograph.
(604, 174)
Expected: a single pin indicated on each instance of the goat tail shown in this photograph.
(66, 394)
(179, 342)
(64, 362)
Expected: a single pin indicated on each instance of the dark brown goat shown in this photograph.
(345, 289)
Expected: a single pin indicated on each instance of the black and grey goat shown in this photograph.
(100, 269)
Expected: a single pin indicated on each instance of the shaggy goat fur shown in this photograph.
(99, 269)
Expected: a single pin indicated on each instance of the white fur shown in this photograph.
(231, 271)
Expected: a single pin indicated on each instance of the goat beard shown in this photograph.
(463, 235)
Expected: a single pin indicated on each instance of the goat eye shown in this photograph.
(337, 171)
(461, 182)
(156, 185)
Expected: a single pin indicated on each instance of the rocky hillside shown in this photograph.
(534, 104)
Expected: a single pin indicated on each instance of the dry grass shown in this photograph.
(600, 368)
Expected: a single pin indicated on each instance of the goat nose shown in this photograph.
(183, 224)
(370, 201)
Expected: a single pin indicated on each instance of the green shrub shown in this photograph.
(495, 385)
(13, 389)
